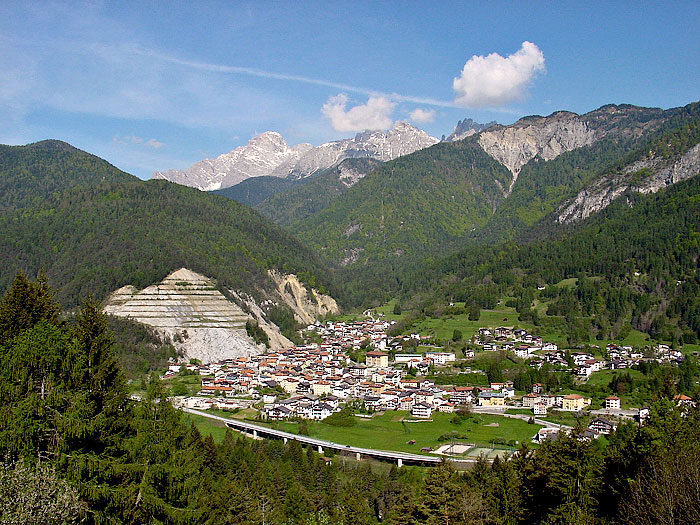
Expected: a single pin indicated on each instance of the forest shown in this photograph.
(77, 449)
(93, 229)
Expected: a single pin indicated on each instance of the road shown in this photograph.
(260, 431)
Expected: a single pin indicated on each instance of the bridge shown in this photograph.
(259, 431)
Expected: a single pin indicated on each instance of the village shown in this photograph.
(314, 381)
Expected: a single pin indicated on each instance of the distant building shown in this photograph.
(612, 403)
(683, 400)
(602, 426)
(574, 402)
(421, 410)
(529, 400)
(377, 359)
(539, 409)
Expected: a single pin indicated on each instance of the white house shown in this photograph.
(421, 410)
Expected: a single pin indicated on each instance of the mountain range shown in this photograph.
(269, 155)
(457, 218)
(94, 229)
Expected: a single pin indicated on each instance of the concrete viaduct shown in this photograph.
(259, 431)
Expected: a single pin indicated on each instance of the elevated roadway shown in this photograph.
(259, 431)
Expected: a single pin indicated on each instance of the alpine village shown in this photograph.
(480, 305)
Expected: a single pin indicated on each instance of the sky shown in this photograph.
(156, 85)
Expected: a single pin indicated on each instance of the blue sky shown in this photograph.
(151, 86)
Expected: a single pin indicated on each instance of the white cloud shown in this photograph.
(422, 115)
(495, 81)
(376, 114)
(131, 140)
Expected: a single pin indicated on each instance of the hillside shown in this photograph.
(99, 229)
(407, 206)
(633, 265)
(254, 190)
(500, 184)
(31, 173)
(295, 203)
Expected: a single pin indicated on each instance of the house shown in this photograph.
(545, 434)
(321, 388)
(643, 414)
(409, 383)
(421, 410)
(276, 413)
(529, 400)
(539, 409)
(683, 401)
(548, 400)
(440, 358)
(462, 395)
(406, 403)
(602, 426)
(612, 403)
(424, 396)
(321, 411)
(446, 407)
(538, 388)
(488, 399)
(377, 359)
(574, 402)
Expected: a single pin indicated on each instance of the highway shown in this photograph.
(260, 431)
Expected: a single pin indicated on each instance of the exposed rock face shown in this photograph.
(269, 154)
(658, 173)
(466, 128)
(307, 305)
(546, 137)
(261, 156)
(187, 308)
(202, 323)
(349, 174)
(277, 340)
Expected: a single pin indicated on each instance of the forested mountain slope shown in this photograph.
(31, 173)
(254, 190)
(292, 206)
(95, 236)
(409, 206)
(636, 263)
(501, 184)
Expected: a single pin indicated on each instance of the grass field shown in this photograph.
(502, 315)
(388, 432)
(603, 377)
(206, 426)
(444, 327)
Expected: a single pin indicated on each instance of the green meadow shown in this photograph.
(392, 430)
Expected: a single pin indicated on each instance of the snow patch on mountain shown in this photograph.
(269, 154)
(261, 156)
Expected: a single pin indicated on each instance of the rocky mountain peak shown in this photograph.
(466, 128)
(546, 137)
(269, 154)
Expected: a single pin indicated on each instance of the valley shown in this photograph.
(493, 302)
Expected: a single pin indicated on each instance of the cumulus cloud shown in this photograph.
(422, 115)
(133, 140)
(494, 80)
(376, 114)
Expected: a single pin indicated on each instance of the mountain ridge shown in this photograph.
(269, 155)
